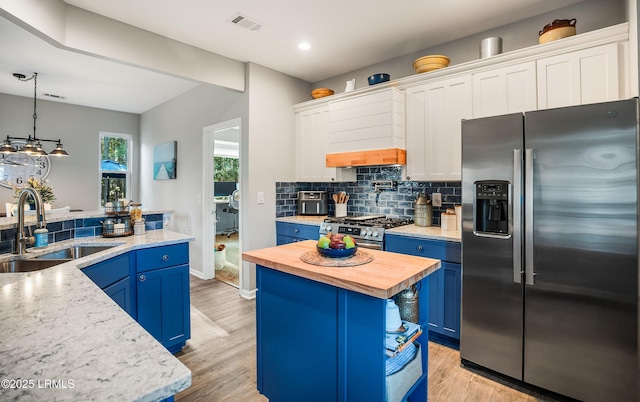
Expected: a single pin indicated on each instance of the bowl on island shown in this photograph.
(337, 252)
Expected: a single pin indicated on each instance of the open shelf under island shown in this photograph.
(321, 330)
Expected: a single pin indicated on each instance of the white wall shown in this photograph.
(75, 179)
(269, 155)
(590, 15)
(182, 119)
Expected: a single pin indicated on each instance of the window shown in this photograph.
(115, 167)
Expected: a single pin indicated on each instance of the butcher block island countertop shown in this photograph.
(386, 275)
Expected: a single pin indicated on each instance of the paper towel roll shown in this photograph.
(459, 217)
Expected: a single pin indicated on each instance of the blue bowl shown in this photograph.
(337, 252)
(378, 78)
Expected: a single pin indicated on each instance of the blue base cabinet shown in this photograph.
(444, 285)
(152, 285)
(121, 293)
(113, 277)
(163, 294)
(316, 342)
(292, 232)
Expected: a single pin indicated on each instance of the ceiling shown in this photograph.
(344, 36)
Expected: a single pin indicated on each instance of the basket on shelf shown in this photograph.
(123, 228)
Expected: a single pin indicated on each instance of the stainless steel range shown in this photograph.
(368, 230)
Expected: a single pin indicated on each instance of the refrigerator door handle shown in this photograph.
(528, 216)
(516, 207)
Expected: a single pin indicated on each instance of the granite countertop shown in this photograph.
(387, 274)
(429, 233)
(303, 220)
(64, 339)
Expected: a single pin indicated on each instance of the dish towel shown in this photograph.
(395, 364)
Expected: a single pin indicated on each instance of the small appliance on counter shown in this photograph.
(312, 203)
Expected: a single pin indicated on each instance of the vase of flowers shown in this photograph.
(46, 192)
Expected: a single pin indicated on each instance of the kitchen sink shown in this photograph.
(29, 265)
(73, 252)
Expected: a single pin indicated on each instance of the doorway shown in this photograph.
(221, 149)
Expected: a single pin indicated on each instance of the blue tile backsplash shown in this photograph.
(73, 229)
(364, 201)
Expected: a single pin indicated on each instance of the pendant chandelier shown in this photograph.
(33, 145)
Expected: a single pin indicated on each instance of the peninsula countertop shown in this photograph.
(387, 274)
(63, 338)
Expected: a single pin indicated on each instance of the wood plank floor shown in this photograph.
(222, 356)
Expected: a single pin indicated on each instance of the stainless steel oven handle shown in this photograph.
(370, 245)
(516, 217)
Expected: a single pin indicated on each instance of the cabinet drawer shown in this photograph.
(108, 272)
(307, 232)
(162, 257)
(441, 250)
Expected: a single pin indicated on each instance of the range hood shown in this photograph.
(375, 157)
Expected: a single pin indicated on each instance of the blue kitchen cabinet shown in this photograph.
(163, 298)
(113, 277)
(444, 287)
(292, 232)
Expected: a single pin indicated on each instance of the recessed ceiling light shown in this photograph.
(304, 46)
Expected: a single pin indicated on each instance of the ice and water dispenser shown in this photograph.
(491, 207)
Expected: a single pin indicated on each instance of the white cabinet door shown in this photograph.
(312, 126)
(580, 77)
(434, 114)
(505, 90)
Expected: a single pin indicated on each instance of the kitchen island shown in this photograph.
(321, 330)
(63, 338)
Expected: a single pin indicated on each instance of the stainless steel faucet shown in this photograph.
(22, 240)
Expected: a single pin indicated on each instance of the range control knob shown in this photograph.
(328, 228)
(375, 234)
(368, 232)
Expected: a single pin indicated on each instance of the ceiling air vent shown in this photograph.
(245, 22)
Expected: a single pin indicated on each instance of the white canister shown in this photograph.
(341, 210)
(448, 221)
(138, 227)
(490, 47)
(392, 316)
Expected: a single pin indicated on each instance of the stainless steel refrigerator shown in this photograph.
(550, 248)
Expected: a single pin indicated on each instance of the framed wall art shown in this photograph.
(165, 161)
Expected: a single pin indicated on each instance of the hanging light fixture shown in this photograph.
(33, 144)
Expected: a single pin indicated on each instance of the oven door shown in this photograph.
(373, 245)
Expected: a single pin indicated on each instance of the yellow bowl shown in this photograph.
(557, 33)
(430, 63)
(321, 92)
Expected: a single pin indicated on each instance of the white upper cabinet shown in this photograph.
(434, 113)
(312, 126)
(424, 111)
(503, 90)
(585, 76)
